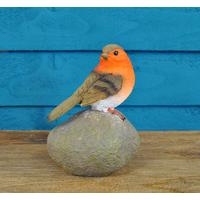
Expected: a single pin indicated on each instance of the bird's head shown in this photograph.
(114, 60)
(113, 53)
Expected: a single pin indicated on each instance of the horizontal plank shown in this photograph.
(47, 78)
(23, 137)
(92, 28)
(162, 164)
(143, 118)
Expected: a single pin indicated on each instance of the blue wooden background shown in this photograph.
(45, 53)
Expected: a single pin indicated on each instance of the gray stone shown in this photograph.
(93, 143)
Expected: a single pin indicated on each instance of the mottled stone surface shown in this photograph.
(93, 143)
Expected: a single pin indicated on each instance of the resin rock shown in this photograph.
(93, 143)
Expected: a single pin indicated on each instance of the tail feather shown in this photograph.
(62, 108)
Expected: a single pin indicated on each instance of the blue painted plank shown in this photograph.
(47, 78)
(92, 28)
(144, 118)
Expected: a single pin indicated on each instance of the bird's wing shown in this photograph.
(104, 86)
(76, 97)
(96, 87)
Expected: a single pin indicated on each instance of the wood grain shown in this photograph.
(91, 28)
(165, 162)
(143, 117)
(47, 78)
(46, 53)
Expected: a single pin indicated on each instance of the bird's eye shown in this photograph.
(116, 53)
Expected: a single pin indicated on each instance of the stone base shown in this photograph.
(93, 143)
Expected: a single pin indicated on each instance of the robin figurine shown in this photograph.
(106, 87)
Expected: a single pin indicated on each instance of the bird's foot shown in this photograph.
(116, 112)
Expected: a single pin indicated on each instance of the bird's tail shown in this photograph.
(62, 108)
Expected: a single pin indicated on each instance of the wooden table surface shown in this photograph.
(165, 162)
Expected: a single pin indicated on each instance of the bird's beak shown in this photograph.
(104, 56)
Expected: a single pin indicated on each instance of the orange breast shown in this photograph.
(127, 86)
(124, 69)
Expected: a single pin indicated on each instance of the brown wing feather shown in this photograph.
(76, 98)
(106, 85)
(96, 87)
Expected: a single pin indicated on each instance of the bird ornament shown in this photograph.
(106, 87)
